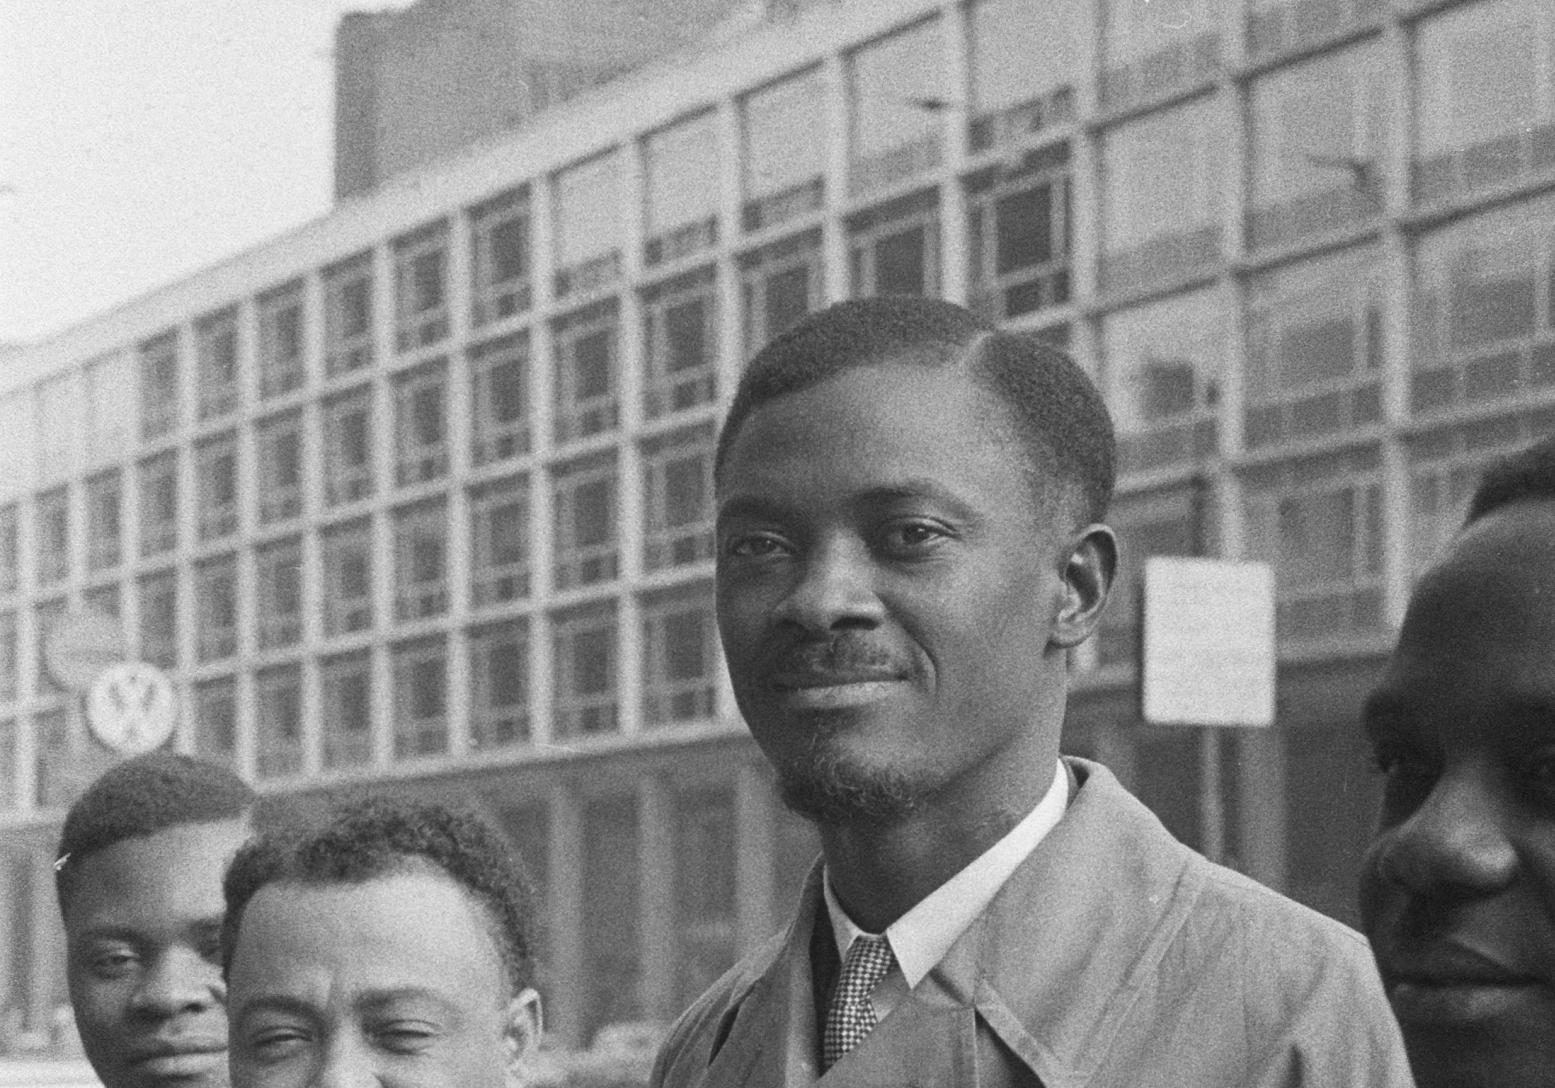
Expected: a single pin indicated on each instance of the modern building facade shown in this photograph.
(418, 494)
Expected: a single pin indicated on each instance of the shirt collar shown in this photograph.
(921, 937)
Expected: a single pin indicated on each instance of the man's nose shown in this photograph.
(834, 588)
(179, 980)
(1455, 845)
(346, 1062)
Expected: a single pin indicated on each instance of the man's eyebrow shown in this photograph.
(378, 1000)
(283, 1003)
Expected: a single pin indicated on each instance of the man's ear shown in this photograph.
(1088, 575)
(521, 1033)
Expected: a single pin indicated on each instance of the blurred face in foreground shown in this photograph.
(1458, 895)
(396, 981)
(142, 930)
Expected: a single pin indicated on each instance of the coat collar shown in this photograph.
(1052, 966)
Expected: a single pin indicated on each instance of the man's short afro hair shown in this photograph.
(1528, 473)
(1055, 410)
(375, 836)
(140, 797)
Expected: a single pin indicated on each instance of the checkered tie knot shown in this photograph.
(851, 1015)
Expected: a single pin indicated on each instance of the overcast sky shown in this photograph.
(143, 139)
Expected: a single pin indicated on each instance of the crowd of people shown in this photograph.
(911, 537)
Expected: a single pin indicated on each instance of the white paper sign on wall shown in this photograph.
(1208, 647)
(132, 708)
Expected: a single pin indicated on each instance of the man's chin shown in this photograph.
(833, 791)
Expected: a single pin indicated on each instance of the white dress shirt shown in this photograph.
(921, 937)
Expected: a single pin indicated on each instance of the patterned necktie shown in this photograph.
(851, 1016)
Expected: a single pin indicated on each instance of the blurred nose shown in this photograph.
(833, 590)
(1455, 845)
(179, 980)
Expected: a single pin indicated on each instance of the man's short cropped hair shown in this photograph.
(1058, 415)
(1528, 473)
(375, 837)
(140, 797)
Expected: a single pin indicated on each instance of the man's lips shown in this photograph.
(177, 1050)
(1448, 983)
(833, 690)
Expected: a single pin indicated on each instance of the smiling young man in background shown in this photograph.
(139, 874)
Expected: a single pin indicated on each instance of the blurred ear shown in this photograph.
(521, 1033)
(1088, 575)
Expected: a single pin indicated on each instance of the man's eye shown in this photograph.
(406, 1037)
(753, 545)
(912, 535)
(114, 964)
(274, 1044)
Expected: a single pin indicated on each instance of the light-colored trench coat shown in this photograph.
(1114, 956)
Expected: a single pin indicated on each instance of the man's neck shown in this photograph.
(880, 871)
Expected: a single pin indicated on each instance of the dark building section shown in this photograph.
(415, 85)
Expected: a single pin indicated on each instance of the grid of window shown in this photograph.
(158, 497)
(346, 553)
(585, 663)
(45, 617)
(104, 524)
(1164, 364)
(895, 131)
(500, 240)
(216, 486)
(783, 166)
(1316, 163)
(421, 424)
(421, 289)
(779, 287)
(584, 503)
(1163, 190)
(499, 674)
(499, 400)
(420, 699)
(348, 447)
(680, 656)
(1152, 51)
(1173, 520)
(348, 316)
(894, 249)
(1018, 227)
(159, 392)
(10, 793)
(216, 720)
(346, 684)
(10, 541)
(1013, 98)
(1319, 522)
(105, 600)
(278, 442)
(682, 209)
(281, 343)
(1314, 349)
(499, 541)
(51, 536)
(216, 363)
(216, 608)
(278, 740)
(278, 580)
(586, 345)
(1486, 118)
(681, 333)
(1484, 320)
(159, 618)
(421, 561)
(10, 659)
(678, 477)
(588, 226)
